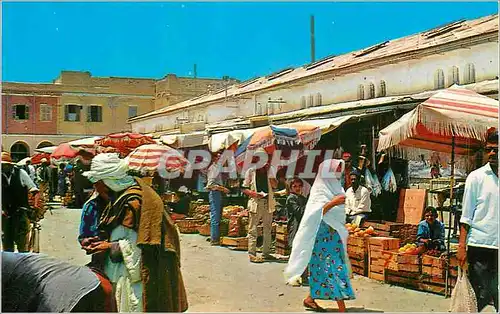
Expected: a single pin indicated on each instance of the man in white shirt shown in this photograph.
(258, 186)
(16, 184)
(357, 200)
(478, 242)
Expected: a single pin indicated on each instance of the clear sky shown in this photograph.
(242, 40)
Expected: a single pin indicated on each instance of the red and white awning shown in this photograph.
(454, 112)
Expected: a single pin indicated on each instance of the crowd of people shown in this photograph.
(135, 249)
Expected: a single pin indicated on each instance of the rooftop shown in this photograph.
(438, 36)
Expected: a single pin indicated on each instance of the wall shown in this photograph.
(172, 89)
(32, 140)
(33, 124)
(114, 113)
(401, 78)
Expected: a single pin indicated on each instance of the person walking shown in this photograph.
(138, 239)
(215, 189)
(478, 241)
(16, 185)
(321, 242)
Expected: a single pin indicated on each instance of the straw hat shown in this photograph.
(6, 159)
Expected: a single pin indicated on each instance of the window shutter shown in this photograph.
(100, 113)
(89, 113)
(13, 110)
(66, 118)
(27, 112)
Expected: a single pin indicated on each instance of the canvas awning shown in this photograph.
(185, 140)
(455, 113)
(224, 140)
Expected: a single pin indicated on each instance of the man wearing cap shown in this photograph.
(16, 184)
(347, 172)
(357, 199)
(478, 242)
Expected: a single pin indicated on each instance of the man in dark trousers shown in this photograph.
(478, 242)
(16, 184)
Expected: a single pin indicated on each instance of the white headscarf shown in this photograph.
(325, 187)
(112, 170)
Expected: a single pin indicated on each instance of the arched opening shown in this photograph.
(44, 144)
(19, 150)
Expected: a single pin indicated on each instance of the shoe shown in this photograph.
(309, 303)
(255, 259)
(269, 257)
(214, 243)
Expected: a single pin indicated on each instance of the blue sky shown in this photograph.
(242, 40)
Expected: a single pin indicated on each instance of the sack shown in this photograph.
(463, 298)
(389, 181)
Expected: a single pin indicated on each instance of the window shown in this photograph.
(383, 89)
(454, 77)
(371, 90)
(319, 100)
(72, 112)
(45, 112)
(20, 112)
(94, 113)
(132, 111)
(303, 102)
(361, 92)
(310, 102)
(470, 74)
(439, 79)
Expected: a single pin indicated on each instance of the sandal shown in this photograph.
(255, 259)
(309, 303)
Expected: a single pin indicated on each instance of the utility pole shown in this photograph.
(313, 48)
(194, 74)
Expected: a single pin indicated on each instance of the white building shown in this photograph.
(463, 52)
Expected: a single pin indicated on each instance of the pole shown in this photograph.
(194, 74)
(313, 48)
(452, 183)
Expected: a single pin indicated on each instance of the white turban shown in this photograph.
(112, 170)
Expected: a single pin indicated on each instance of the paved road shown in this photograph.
(221, 280)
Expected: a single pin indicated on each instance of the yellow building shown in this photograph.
(77, 105)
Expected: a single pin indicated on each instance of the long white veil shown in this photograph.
(326, 186)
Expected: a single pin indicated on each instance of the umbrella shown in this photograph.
(87, 141)
(48, 150)
(150, 158)
(124, 142)
(455, 121)
(23, 161)
(67, 153)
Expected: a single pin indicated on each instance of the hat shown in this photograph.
(6, 159)
(346, 155)
(355, 171)
(44, 160)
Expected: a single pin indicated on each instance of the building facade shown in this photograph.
(463, 53)
(77, 105)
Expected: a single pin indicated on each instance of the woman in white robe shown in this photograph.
(321, 241)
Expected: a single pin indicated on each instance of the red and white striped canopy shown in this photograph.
(454, 112)
(148, 158)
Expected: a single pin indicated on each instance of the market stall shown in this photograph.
(454, 121)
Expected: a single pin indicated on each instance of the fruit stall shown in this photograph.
(396, 261)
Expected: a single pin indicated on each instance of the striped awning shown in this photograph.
(154, 157)
(454, 112)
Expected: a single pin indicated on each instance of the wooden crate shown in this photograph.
(188, 225)
(433, 266)
(376, 261)
(281, 229)
(383, 228)
(283, 251)
(406, 233)
(402, 278)
(239, 243)
(397, 261)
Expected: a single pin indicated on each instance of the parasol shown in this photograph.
(454, 121)
(150, 158)
(67, 153)
(124, 142)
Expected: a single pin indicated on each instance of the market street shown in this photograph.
(221, 280)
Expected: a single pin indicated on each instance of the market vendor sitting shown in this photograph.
(357, 199)
(430, 234)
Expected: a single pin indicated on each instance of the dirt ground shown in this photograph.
(221, 280)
